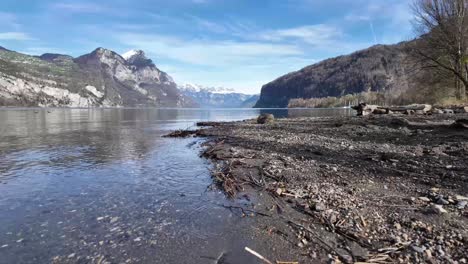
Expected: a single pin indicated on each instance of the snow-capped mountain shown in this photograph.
(217, 97)
(196, 88)
(131, 53)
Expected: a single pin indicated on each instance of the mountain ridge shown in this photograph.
(99, 78)
(380, 68)
(217, 97)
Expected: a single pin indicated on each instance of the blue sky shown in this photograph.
(240, 44)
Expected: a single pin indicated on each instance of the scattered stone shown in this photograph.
(352, 199)
(114, 219)
(138, 239)
(424, 199)
(4, 246)
(418, 249)
(319, 207)
(462, 204)
(438, 209)
(397, 226)
(71, 255)
(442, 201)
(428, 254)
(279, 191)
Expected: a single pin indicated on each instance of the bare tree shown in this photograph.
(442, 46)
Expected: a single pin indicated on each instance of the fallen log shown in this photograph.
(461, 123)
(364, 109)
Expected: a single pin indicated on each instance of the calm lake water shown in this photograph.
(97, 185)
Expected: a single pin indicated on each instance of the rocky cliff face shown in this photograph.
(381, 68)
(100, 78)
(218, 97)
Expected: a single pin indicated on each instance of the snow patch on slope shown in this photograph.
(131, 53)
(196, 88)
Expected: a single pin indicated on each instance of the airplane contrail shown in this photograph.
(373, 31)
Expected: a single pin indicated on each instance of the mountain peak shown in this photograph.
(137, 58)
(102, 51)
(132, 53)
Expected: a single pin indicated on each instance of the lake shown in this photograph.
(103, 185)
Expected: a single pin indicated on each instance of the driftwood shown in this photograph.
(364, 109)
(461, 123)
(256, 254)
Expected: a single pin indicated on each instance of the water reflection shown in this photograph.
(103, 183)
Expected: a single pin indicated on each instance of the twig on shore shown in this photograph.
(326, 245)
(258, 255)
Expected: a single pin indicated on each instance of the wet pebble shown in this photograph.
(462, 204)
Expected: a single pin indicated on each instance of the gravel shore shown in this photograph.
(376, 189)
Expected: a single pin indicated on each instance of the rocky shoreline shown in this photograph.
(373, 189)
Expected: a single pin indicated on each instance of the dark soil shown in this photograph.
(377, 189)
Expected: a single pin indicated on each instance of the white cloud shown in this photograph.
(14, 36)
(207, 52)
(319, 34)
(80, 7)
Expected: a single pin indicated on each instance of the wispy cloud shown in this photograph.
(206, 52)
(319, 34)
(79, 7)
(14, 36)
